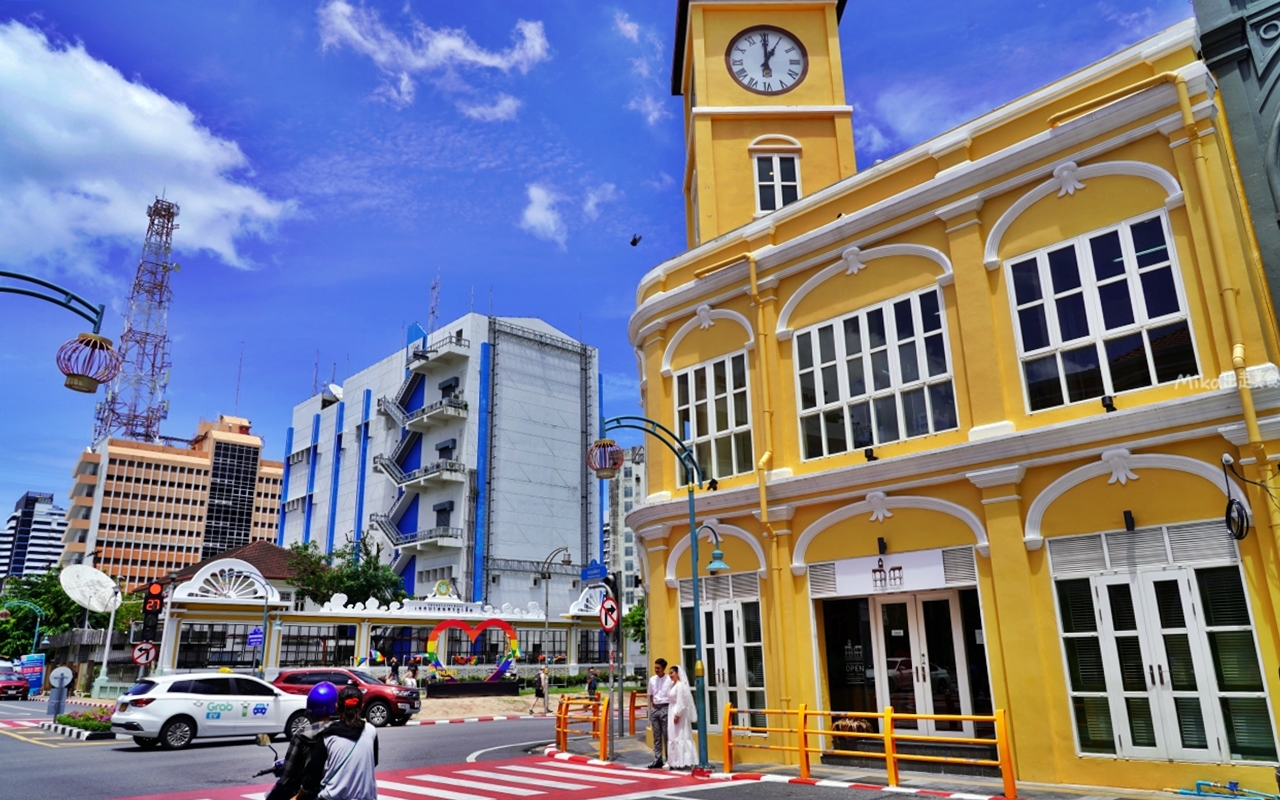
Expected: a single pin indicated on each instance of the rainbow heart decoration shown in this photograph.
(513, 645)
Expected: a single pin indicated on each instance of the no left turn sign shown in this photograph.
(609, 614)
(144, 653)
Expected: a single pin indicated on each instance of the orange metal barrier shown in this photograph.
(638, 709)
(802, 724)
(579, 710)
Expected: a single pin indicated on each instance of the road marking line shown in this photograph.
(255, 796)
(492, 787)
(21, 738)
(649, 774)
(430, 791)
(552, 773)
(498, 776)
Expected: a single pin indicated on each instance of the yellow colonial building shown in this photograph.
(968, 409)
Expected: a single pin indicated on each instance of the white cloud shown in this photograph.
(504, 108)
(83, 151)
(619, 388)
(1140, 22)
(660, 183)
(604, 193)
(625, 27)
(425, 49)
(649, 108)
(540, 217)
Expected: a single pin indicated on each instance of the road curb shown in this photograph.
(77, 733)
(465, 719)
(863, 787)
(551, 752)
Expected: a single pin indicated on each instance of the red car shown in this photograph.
(13, 684)
(383, 704)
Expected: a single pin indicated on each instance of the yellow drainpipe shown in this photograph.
(1218, 255)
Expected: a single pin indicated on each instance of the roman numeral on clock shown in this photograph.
(789, 50)
(768, 87)
(737, 62)
(742, 73)
(752, 83)
(793, 74)
(795, 62)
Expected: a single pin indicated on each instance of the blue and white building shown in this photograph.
(463, 454)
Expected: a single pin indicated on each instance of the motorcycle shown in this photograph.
(277, 768)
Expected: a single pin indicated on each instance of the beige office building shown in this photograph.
(140, 511)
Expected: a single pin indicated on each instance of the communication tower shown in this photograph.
(135, 406)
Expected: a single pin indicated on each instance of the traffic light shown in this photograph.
(152, 605)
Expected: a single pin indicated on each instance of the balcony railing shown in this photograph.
(447, 407)
(444, 346)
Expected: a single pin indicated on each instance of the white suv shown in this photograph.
(171, 710)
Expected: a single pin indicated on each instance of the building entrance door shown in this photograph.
(734, 656)
(915, 638)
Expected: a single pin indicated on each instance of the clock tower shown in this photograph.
(765, 114)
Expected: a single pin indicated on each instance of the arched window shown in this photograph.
(713, 416)
(776, 167)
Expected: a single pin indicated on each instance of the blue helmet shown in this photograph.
(322, 700)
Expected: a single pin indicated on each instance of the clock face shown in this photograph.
(766, 60)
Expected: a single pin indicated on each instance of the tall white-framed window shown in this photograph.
(713, 416)
(880, 374)
(1101, 314)
(777, 181)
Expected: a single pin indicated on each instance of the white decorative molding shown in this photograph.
(1262, 375)
(1137, 169)
(723, 530)
(770, 111)
(780, 512)
(1238, 435)
(1010, 474)
(651, 532)
(992, 430)
(799, 565)
(1120, 461)
(775, 143)
(227, 580)
(969, 205)
(1033, 538)
(852, 260)
(587, 604)
(704, 317)
(879, 506)
(1068, 181)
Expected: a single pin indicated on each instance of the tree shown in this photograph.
(61, 613)
(634, 625)
(355, 570)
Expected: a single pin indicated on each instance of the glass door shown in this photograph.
(1183, 679)
(898, 640)
(1125, 660)
(917, 637)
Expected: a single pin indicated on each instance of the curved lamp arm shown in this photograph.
(57, 295)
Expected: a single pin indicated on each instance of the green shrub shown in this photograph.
(97, 720)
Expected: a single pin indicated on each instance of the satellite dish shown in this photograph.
(335, 390)
(90, 588)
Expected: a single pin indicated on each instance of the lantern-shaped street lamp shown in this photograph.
(88, 360)
(605, 458)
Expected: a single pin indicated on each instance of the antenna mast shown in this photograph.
(434, 313)
(134, 406)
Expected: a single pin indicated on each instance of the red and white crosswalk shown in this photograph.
(20, 723)
(530, 777)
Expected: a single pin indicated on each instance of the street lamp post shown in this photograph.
(87, 360)
(605, 457)
(35, 639)
(546, 595)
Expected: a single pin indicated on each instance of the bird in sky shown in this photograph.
(635, 240)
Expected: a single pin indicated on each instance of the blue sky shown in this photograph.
(330, 156)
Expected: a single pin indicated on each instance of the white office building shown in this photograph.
(464, 454)
(31, 540)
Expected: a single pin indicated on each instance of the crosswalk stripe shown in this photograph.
(455, 781)
(554, 774)
(650, 774)
(255, 796)
(430, 792)
(498, 776)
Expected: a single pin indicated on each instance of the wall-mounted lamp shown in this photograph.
(1129, 524)
(870, 454)
(1108, 403)
(712, 485)
(882, 545)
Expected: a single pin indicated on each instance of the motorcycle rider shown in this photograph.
(306, 746)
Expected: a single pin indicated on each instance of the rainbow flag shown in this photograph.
(375, 657)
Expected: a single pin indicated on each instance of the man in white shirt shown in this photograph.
(659, 696)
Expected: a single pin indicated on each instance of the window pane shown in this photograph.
(1108, 259)
(804, 351)
(1083, 373)
(742, 447)
(1141, 728)
(908, 362)
(935, 354)
(700, 420)
(764, 169)
(1129, 654)
(1248, 729)
(700, 383)
(721, 379)
(834, 420)
(1035, 331)
(767, 202)
(857, 381)
(852, 337)
(1235, 661)
(740, 409)
(1075, 604)
(1127, 360)
(702, 454)
(1093, 724)
(682, 390)
(875, 329)
(1120, 598)
(1182, 672)
(686, 433)
(789, 194)
(1169, 604)
(1148, 242)
(739, 372)
(886, 410)
(826, 344)
(812, 435)
(722, 414)
(1117, 309)
(1172, 352)
(903, 319)
(1026, 281)
(1159, 291)
(880, 369)
(1191, 723)
(1073, 322)
(930, 318)
(860, 425)
(1084, 664)
(830, 385)
(1222, 597)
(724, 456)
(787, 168)
(942, 401)
(1063, 270)
(915, 415)
(1043, 388)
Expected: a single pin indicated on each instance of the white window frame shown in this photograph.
(695, 438)
(1098, 333)
(896, 388)
(777, 182)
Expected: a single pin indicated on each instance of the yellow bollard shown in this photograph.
(1005, 754)
(890, 748)
(728, 737)
(802, 739)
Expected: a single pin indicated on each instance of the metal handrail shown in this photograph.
(638, 709)
(421, 353)
(443, 465)
(447, 402)
(598, 717)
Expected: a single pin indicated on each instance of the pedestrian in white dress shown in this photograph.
(681, 754)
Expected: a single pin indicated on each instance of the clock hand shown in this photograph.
(765, 71)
